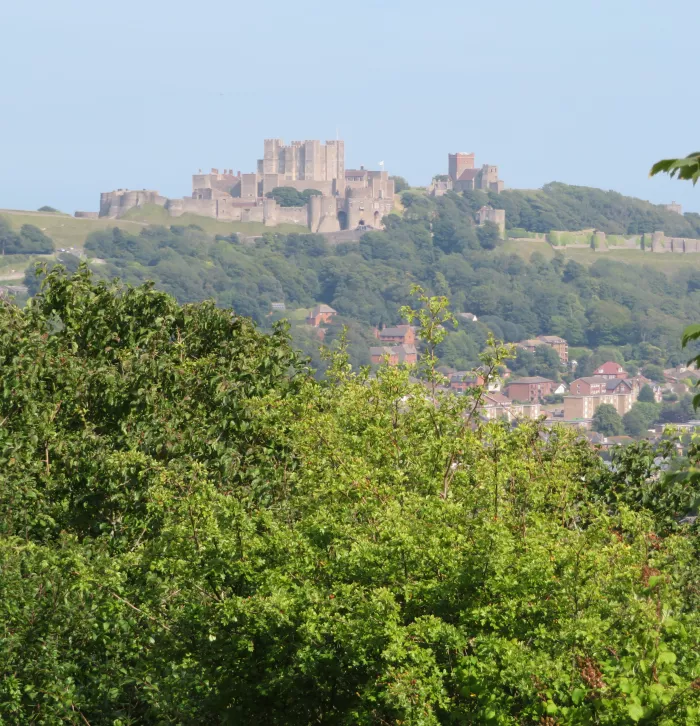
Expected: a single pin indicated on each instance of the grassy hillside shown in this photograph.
(67, 231)
(668, 262)
(153, 214)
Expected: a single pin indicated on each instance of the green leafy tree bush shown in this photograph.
(641, 417)
(194, 530)
(607, 421)
(646, 394)
(400, 184)
(290, 197)
(29, 240)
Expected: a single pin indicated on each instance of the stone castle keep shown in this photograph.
(348, 199)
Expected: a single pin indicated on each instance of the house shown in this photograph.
(382, 353)
(560, 390)
(553, 341)
(526, 410)
(495, 405)
(589, 393)
(462, 380)
(589, 386)
(530, 344)
(559, 345)
(680, 373)
(625, 392)
(531, 388)
(468, 316)
(610, 369)
(399, 334)
(394, 354)
(593, 437)
(278, 307)
(320, 314)
(407, 354)
(612, 441)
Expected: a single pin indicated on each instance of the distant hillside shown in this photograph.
(67, 231)
(563, 207)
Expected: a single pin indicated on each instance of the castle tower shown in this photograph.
(271, 155)
(312, 160)
(457, 163)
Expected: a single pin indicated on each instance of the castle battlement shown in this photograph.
(346, 200)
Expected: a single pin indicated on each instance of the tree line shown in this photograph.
(195, 530)
(633, 314)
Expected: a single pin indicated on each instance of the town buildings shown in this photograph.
(530, 388)
(497, 406)
(589, 392)
(394, 354)
(461, 381)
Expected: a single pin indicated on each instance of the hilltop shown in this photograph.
(565, 207)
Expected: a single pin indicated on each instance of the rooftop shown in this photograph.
(609, 368)
(531, 379)
(322, 309)
(396, 331)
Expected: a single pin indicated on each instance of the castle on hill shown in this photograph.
(347, 199)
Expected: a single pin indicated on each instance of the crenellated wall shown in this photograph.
(655, 242)
(346, 201)
(119, 202)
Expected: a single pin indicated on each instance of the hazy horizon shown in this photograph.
(99, 97)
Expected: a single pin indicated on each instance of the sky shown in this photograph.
(140, 94)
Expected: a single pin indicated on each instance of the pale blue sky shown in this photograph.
(142, 93)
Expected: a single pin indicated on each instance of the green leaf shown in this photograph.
(692, 332)
(635, 711)
(666, 656)
(577, 695)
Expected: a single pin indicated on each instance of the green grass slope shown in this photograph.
(64, 230)
(153, 214)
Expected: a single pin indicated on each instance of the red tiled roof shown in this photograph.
(609, 368)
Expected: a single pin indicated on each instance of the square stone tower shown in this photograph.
(308, 160)
(458, 163)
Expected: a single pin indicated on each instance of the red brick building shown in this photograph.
(319, 315)
(589, 386)
(394, 354)
(398, 335)
(531, 388)
(462, 380)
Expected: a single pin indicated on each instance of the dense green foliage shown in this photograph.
(193, 530)
(290, 197)
(635, 312)
(607, 421)
(400, 184)
(564, 207)
(29, 240)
